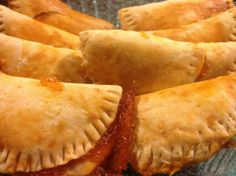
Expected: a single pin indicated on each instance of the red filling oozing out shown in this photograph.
(205, 70)
(111, 153)
(118, 159)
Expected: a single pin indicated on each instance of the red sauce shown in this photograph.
(100, 171)
(120, 156)
(52, 83)
(204, 71)
(118, 160)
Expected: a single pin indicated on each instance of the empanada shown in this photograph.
(21, 26)
(220, 28)
(58, 14)
(47, 124)
(148, 63)
(170, 13)
(30, 59)
(175, 127)
(184, 125)
(138, 60)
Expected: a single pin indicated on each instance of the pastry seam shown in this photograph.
(2, 27)
(232, 37)
(11, 159)
(129, 21)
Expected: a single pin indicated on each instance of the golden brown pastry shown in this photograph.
(219, 59)
(149, 63)
(21, 26)
(138, 60)
(58, 14)
(184, 125)
(220, 28)
(135, 60)
(189, 124)
(30, 59)
(170, 13)
(47, 124)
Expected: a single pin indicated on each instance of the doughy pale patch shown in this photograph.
(35, 60)
(184, 125)
(47, 124)
(21, 26)
(220, 28)
(58, 14)
(170, 14)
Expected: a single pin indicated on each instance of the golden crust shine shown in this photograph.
(21, 26)
(219, 28)
(35, 60)
(170, 13)
(184, 125)
(58, 14)
(44, 128)
(149, 63)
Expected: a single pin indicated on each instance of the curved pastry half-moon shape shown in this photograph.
(21, 26)
(170, 13)
(58, 14)
(184, 125)
(140, 61)
(220, 28)
(148, 63)
(47, 124)
(35, 60)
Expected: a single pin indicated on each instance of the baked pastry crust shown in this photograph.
(219, 59)
(58, 14)
(219, 28)
(184, 125)
(43, 127)
(170, 13)
(141, 61)
(35, 60)
(21, 26)
(137, 60)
